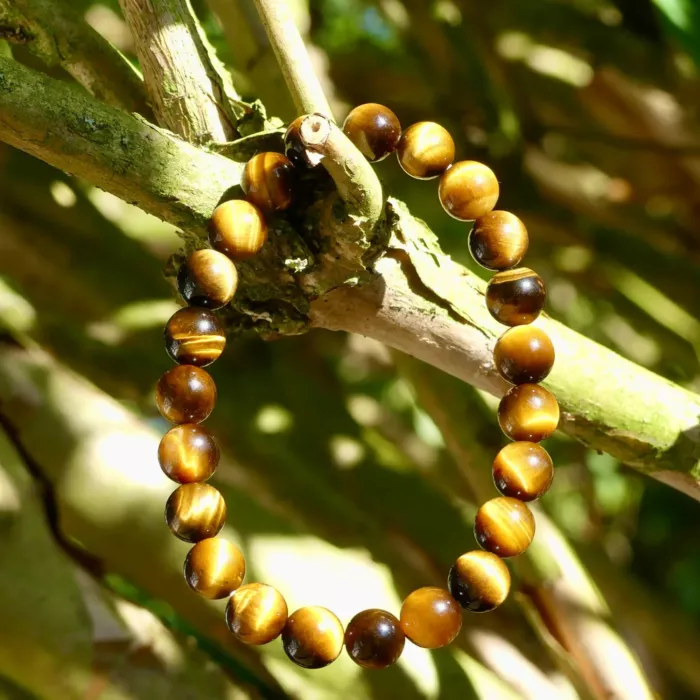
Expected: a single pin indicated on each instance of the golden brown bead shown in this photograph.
(195, 512)
(504, 526)
(268, 181)
(515, 297)
(374, 129)
(528, 412)
(185, 394)
(237, 229)
(194, 337)
(425, 150)
(313, 637)
(256, 613)
(374, 639)
(468, 190)
(523, 470)
(498, 240)
(293, 146)
(430, 617)
(188, 453)
(524, 355)
(207, 279)
(214, 568)
(479, 581)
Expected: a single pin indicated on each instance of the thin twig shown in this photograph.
(293, 58)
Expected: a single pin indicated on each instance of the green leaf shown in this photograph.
(682, 18)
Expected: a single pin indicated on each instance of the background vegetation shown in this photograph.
(351, 473)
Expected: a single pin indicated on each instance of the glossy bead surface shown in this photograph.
(237, 229)
(515, 297)
(498, 240)
(523, 470)
(468, 190)
(430, 617)
(524, 355)
(425, 150)
(504, 526)
(313, 637)
(528, 412)
(207, 279)
(188, 453)
(214, 568)
(374, 639)
(186, 394)
(195, 512)
(194, 336)
(374, 129)
(256, 613)
(479, 581)
(293, 146)
(268, 181)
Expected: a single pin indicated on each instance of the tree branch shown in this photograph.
(189, 89)
(414, 299)
(59, 36)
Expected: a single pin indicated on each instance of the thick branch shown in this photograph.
(188, 87)
(417, 299)
(55, 32)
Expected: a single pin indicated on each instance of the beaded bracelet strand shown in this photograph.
(479, 581)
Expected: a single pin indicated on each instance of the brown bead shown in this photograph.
(185, 394)
(498, 240)
(293, 146)
(195, 512)
(374, 639)
(256, 613)
(374, 129)
(194, 336)
(214, 568)
(515, 297)
(523, 470)
(479, 581)
(188, 453)
(528, 412)
(268, 181)
(524, 355)
(425, 150)
(237, 229)
(468, 190)
(504, 526)
(207, 279)
(430, 617)
(313, 637)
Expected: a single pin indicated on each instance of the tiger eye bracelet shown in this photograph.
(479, 580)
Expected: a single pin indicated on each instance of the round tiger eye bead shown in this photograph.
(528, 412)
(268, 181)
(374, 639)
(430, 617)
(425, 150)
(479, 581)
(312, 637)
(194, 337)
(515, 297)
(256, 613)
(293, 146)
(468, 190)
(195, 512)
(504, 526)
(524, 355)
(207, 279)
(188, 454)
(523, 470)
(214, 568)
(237, 229)
(185, 394)
(498, 240)
(374, 129)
